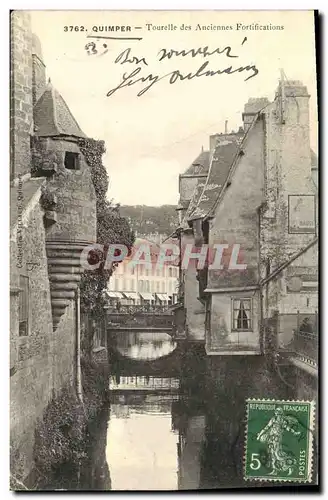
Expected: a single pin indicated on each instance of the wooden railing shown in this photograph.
(156, 319)
(136, 309)
(293, 334)
(304, 342)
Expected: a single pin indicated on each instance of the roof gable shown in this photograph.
(200, 165)
(221, 162)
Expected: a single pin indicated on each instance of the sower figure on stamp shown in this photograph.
(272, 434)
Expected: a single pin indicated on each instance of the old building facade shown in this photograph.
(53, 217)
(259, 196)
(144, 282)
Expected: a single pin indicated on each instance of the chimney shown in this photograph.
(252, 107)
(292, 115)
(292, 100)
(226, 127)
(38, 70)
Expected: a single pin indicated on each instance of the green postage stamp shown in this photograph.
(279, 437)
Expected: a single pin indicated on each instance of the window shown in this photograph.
(242, 314)
(163, 287)
(170, 272)
(158, 287)
(72, 161)
(23, 306)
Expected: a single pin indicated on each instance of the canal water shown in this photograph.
(171, 427)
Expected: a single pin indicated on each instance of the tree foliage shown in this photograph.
(151, 220)
(111, 229)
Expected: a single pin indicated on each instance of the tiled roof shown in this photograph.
(195, 197)
(200, 165)
(52, 116)
(222, 160)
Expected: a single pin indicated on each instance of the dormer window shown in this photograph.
(72, 161)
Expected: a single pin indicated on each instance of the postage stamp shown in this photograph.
(278, 443)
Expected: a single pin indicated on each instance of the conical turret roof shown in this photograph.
(52, 116)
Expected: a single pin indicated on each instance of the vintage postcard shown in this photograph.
(164, 250)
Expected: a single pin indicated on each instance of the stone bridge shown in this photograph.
(140, 321)
(174, 364)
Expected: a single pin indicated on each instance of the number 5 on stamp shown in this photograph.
(279, 437)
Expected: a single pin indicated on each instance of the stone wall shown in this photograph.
(236, 222)
(41, 361)
(236, 219)
(221, 336)
(20, 92)
(195, 311)
(38, 69)
(31, 383)
(63, 350)
(287, 171)
(76, 198)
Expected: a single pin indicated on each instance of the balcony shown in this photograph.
(293, 335)
(304, 340)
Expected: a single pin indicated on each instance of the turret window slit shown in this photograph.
(72, 161)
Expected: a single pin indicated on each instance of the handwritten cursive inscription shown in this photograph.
(203, 51)
(124, 57)
(136, 76)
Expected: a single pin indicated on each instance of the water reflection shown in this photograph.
(141, 444)
(155, 431)
(152, 443)
(177, 423)
(144, 345)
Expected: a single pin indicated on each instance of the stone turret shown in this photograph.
(69, 198)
